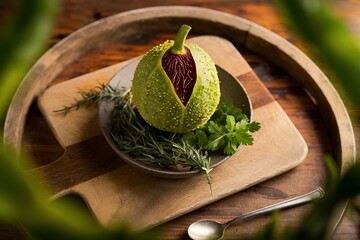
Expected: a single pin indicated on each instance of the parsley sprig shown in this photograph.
(227, 129)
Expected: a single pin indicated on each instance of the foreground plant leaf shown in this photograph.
(332, 42)
(23, 38)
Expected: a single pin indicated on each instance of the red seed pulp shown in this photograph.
(181, 70)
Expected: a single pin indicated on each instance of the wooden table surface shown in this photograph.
(42, 146)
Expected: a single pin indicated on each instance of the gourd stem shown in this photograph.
(181, 35)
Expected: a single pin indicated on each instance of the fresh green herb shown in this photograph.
(227, 129)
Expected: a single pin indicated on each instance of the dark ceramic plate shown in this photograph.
(230, 89)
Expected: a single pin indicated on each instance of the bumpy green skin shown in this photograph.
(156, 99)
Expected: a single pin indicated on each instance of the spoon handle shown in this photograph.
(317, 193)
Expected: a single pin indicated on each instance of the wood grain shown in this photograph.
(318, 85)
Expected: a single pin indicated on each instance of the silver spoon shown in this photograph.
(209, 229)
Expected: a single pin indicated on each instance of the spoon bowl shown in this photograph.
(206, 229)
(209, 229)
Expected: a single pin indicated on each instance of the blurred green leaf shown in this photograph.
(24, 199)
(24, 37)
(333, 42)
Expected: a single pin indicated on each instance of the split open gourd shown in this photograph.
(176, 87)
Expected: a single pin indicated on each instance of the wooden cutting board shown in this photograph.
(116, 192)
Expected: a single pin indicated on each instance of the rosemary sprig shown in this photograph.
(93, 95)
(145, 143)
